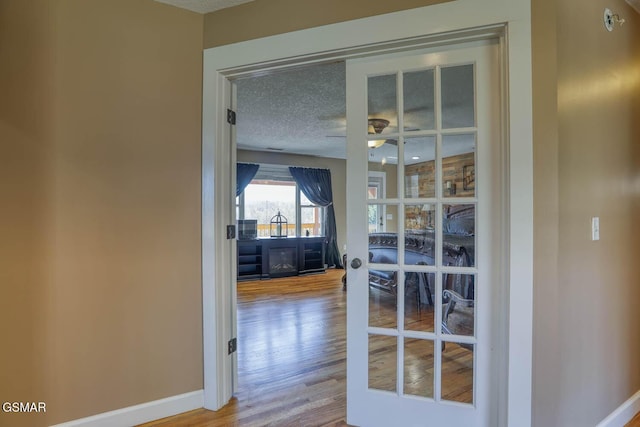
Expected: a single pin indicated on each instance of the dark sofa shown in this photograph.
(458, 250)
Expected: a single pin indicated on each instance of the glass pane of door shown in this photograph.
(419, 94)
(458, 235)
(457, 372)
(383, 353)
(419, 297)
(420, 167)
(458, 165)
(419, 356)
(458, 96)
(382, 104)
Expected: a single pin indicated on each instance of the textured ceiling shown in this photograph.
(203, 6)
(294, 111)
(303, 111)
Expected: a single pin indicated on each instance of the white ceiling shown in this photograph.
(204, 6)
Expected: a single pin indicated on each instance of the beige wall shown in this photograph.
(262, 18)
(100, 184)
(546, 399)
(101, 141)
(587, 163)
(25, 180)
(338, 179)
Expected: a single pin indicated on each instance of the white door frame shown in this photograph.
(439, 24)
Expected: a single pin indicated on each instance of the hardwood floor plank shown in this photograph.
(635, 422)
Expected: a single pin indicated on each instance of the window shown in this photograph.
(376, 190)
(375, 211)
(312, 218)
(264, 197)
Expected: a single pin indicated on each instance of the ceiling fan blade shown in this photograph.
(417, 109)
(342, 117)
(386, 141)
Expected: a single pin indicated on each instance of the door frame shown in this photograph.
(442, 24)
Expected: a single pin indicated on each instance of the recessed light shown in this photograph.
(415, 157)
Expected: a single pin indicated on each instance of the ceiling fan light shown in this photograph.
(376, 143)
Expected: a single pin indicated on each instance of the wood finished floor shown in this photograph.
(292, 356)
(635, 422)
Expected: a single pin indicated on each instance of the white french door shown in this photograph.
(422, 322)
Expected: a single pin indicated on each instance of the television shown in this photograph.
(247, 229)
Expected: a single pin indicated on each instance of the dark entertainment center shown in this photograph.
(265, 258)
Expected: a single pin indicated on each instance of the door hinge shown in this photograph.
(231, 232)
(233, 345)
(231, 117)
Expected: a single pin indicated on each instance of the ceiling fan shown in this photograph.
(376, 126)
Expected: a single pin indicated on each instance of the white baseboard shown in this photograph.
(143, 413)
(624, 413)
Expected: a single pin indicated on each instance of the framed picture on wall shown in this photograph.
(469, 177)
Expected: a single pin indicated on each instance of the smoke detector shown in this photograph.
(611, 18)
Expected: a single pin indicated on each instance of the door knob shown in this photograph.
(356, 263)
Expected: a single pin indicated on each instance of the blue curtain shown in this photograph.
(316, 185)
(244, 174)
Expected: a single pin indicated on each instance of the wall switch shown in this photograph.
(389, 216)
(595, 228)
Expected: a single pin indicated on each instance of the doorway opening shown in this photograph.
(291, 310)
(417, 172)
